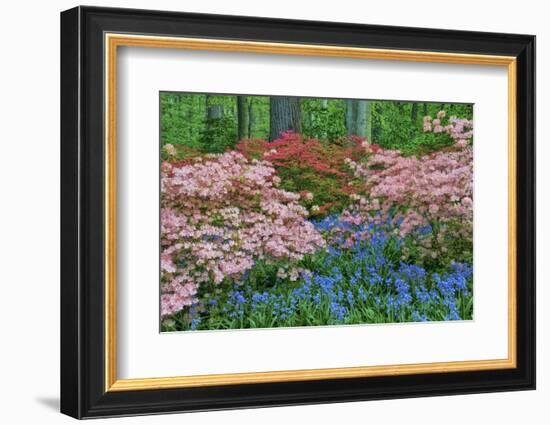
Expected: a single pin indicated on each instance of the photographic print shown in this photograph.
(280, 211)
(330, 212)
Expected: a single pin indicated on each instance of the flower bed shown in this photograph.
(300, 232)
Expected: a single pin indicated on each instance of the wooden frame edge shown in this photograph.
(306, 375)
(114, 40)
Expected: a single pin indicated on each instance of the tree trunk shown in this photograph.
(377, 127)
(324, 108)
(308, 121)
(215, 112)
(206, 101)
(285, 115)
(242, 118)
(369, 121)
(414, 112)
(363, 118)
(251, 117)
(351, 113)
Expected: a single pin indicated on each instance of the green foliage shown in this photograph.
(260, 117)
(398, 125)
(450, 249)
(392, 124)
(181, 118)
(218, 135)
(325, 188)
(424, 143)
(324, 119)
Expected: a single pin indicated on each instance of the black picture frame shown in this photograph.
(83, 392)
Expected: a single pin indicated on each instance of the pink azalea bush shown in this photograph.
(460, 129)
(434, 190)
(219, 215)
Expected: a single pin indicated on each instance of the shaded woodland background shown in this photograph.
(204, 123)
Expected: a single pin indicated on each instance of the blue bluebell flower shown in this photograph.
(195, 323)
(350, 298)
(338, 311)
(417, 317)
(317, 299)
(362, 294)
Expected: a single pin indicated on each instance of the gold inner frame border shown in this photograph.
(113, 40)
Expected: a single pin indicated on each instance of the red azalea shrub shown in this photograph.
(292, 150)
(310, 166)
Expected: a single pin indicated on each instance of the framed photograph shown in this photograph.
(261, 212)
